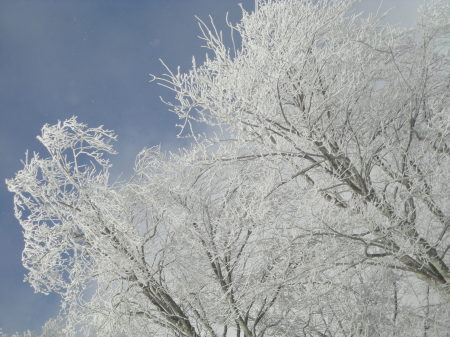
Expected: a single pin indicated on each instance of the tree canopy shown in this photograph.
(317, 204)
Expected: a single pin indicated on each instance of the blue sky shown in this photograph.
(92, 59)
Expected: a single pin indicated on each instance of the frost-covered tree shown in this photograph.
(320, 207)
(356, 110)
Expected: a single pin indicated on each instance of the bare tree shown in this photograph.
(319, 208)
(348, 109)
(357, 110)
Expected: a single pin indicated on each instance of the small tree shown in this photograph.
(321, 208)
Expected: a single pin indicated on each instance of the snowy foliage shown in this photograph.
(321, 207)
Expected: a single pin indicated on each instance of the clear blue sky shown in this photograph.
(91, 58)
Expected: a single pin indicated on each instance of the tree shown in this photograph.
(358, 109)
(320, 207)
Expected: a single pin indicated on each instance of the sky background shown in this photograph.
(92, 59)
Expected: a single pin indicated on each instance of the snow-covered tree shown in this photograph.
(320, 207)
(356, 110)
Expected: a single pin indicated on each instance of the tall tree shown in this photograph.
(320, 207)
(356, 109)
